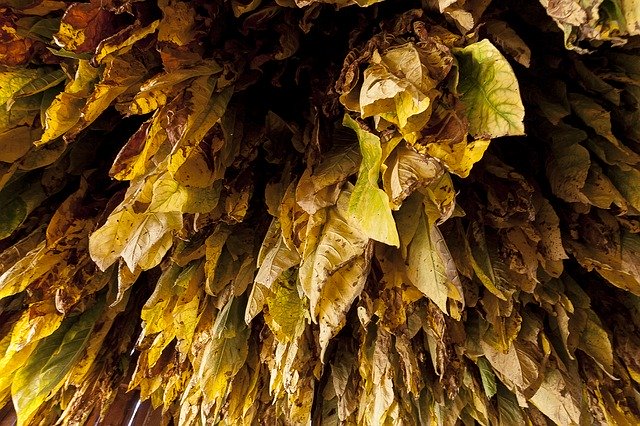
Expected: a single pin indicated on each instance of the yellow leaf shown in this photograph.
(65, 110)
(133, 159)
(123, 41)
(139, 238)
(224, 354)
(37, 322)
(17, 142)
(287, 311)
(155, 91)
(208, 109)
(334, 273)
(557, 399)
(177, 25)
(35, 264)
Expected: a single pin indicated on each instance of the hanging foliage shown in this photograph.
(327, 212)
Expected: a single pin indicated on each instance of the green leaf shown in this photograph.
(509, 410)
(12, 81)
(12, 215)
(487, 376)
(19, 199)
(627, 181)
(38, 28)
(44, 81)
(369, 205)
(595, 342)
(63, 53)
(44, 372)
(490, 92)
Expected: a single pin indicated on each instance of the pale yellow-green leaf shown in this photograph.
(426, 267)
(225, 353)
(155, 253)
(369, 205)
(133, 236)
(151, 229)
(32, 266)
(11, 81)
(490, 92)
(595, 342)
(168, 195)
(277, 260)
(107, 243)
(338, 244)
(320, 187)
(556, 399)
(287, 311)
(337, 295)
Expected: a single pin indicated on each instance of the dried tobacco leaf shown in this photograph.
(300, 212)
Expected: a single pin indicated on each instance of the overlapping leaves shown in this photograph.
(242, 226)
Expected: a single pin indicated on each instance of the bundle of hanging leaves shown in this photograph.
(320, 211)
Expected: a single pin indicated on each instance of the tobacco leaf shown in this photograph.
(489, 92)
(44, 372)
(369, 205)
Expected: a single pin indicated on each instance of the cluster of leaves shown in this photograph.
(297, 211)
